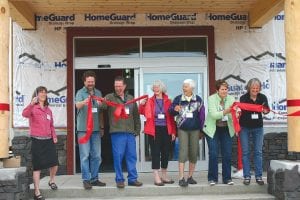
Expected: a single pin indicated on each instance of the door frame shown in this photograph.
(73, 32)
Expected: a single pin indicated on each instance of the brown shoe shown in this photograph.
(120, 185)
(98, 183)
(136, 183)
(87, 185)
(168, 181)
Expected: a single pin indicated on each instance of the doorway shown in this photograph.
(104, 83)
(145, 53)
(173, 78)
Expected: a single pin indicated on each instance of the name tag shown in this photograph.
(94, 110)
(127, 110)
(225, 118)
(254, 116)
(48, 117)
(189, 115)
(161, 116)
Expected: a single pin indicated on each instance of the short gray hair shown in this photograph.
(191, 83)
(251, 82)
(161, 86)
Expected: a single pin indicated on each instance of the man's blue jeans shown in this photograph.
(123, 145)
(221, 139)
(257, 138)
(90, 156)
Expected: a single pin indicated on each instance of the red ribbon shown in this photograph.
(120, 108)
(4, 106)
(243, 106)
(293, 102)
(239, 154)
(119, 113)
(89, 123)
(257, 108)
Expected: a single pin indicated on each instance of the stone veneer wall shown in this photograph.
(284, 179)
(13, 184)
(21, 145)
(274, 148)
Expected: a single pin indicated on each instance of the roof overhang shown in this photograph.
(260, 11)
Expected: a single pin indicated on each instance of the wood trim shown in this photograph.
(263, 11)
(21, 12)
(126, 31)
(70, 105)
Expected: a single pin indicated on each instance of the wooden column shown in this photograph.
(4, 90)
(292, 46)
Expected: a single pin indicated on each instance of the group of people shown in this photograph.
(184, 117)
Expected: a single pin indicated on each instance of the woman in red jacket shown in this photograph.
(161, 130)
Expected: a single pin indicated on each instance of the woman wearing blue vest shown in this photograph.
(218, 128)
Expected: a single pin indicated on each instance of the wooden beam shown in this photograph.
(264, 11)
(4, 85)
(292, 45)
(22, 14)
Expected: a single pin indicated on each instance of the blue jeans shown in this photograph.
(123, 145)
(257, 138)
(223, 139)
(90, 156)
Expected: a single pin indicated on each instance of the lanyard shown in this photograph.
(159, 107)
(222, 104)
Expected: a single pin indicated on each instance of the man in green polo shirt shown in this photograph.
(90, 152)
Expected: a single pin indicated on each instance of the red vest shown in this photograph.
(148, 110)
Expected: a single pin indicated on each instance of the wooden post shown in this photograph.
(4, 90)
(292, 46)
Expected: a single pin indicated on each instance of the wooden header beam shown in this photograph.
(21, 13)
(264, 11)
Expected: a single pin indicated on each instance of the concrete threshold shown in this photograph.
(70, 186)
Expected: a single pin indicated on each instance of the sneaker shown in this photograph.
(87, 185)
(229, 182)
(183, 183)
(246, 181)
(136, 183)
(98, 183)
(211, 183)
(238, 174)
(120, 185)
(259, 181)
(190, 180)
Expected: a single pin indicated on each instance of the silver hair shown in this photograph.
(191, 83)
(251, 82)
(161, 86)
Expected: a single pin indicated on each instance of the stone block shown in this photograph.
(284, 179)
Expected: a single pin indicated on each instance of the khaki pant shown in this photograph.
(188, 145)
